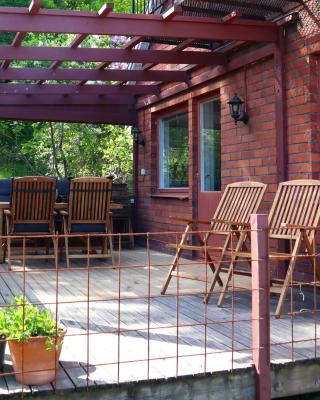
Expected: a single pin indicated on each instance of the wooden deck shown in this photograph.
(102, 318)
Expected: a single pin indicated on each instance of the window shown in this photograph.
(210, 142)
(174, 152)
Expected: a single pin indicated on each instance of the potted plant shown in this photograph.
(3, 341)
(35, 341)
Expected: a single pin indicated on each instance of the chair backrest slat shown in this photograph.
(298, 203)
(33, 200)
(89, 200)
(238, 202)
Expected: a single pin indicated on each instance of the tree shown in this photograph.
(65, 149)
(80, 149)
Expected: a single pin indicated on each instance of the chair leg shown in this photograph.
(110, 239)
(176, 259)
(130, 230)
(224, 289)
(230, 272)
(288, 277)
(216, 273)
(9, 253)
(47, 248)
(4, 251)
(55, 249)
(66, 241)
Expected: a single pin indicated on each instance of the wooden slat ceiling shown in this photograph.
(250, 9)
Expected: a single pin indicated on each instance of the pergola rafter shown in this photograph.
(111, 55)
(104, 103)
(103, 12)
(135, 90)
(79, 74)
(70, 22)
(33, 9)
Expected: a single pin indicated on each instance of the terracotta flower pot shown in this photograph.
(33, 364)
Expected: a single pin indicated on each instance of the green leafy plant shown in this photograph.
(22, 321)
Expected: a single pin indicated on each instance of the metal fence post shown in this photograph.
(261, 305)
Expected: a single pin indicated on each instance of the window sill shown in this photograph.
(177, 196)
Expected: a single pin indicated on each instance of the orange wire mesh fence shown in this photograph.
(124, 321)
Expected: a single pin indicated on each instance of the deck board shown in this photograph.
(93, 361)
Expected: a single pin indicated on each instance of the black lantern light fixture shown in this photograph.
(137, 136)
(237, 110)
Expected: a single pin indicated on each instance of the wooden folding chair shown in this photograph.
(232, 215)
(31, 213)
(89, 213)
(294, 215)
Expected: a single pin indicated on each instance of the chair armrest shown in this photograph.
(190, 221)
(295, 226)
(235, 223)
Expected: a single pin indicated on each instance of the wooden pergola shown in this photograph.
(105, 102)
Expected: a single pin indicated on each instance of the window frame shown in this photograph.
(160, 118)
(205, 100)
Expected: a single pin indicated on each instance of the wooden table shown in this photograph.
(4, 205)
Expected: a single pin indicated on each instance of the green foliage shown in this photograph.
(80, 150)
(22, 320)
(64, 149)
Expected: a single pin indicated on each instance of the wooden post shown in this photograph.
(261, 305)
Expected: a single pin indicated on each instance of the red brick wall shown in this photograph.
(248, 152)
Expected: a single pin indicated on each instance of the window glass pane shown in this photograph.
(174, 152)
(210, 137)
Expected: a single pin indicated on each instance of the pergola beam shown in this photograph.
(79, 74)
(86, 114)
(29, 89)
(73, 99)
(111, 55)
(105, 10)
(34, 7)
(53, 21)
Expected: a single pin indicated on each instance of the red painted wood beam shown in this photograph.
(33, 9)
(92, 75)
(72, 99)
(66, 21)
(105, 10)
(111, 55)
(35, 6)
(183, 45)
(231, 17)
(17, 88)
(206, 77)
(86, 114)
(77, 74)
(172, 12)
(128, 46)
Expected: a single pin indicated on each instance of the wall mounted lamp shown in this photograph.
(237, 110)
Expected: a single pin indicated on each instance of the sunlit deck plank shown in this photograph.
(225, 330)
